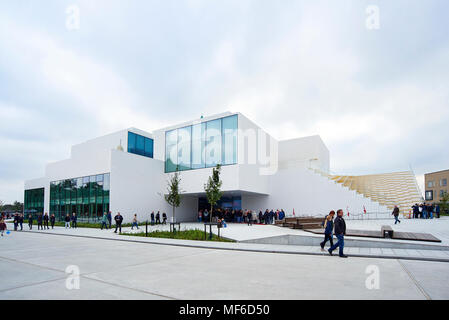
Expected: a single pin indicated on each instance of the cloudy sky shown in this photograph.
(379, 98)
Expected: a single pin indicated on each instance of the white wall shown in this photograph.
(138, 185)
(309, 194)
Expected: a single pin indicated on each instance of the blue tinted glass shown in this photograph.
(171, 150)
(184, 137)
(149, 147)
(140, 145)
(213, 143)
(131, 142)
(229, 140)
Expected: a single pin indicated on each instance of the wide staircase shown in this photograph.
(300, 223)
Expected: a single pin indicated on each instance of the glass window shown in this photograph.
(171, 150)
(229, 140)
(443, 182)
(184, 145)
(198, 140)
(149, 147)
(213, 143)
(131, 142)
(140, 145)
(429, 195)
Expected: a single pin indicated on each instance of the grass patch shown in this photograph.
(195, 234)
(95, 225)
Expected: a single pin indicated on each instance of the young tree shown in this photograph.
(212, 188)
(444, 203)
(173, 197)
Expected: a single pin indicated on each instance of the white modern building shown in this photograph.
(127, 172)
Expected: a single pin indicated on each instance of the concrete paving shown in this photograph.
(33, 267)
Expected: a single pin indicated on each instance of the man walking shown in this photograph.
(46, 218)
(104, 221)
(30, 222)
(340, 231)
(16, 221)
(109, 216)
(395, 213)
(158, 218)
(118, 222)
(21, 221)
(52, 220)
(39, 222)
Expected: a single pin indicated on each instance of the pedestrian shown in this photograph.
(395, 213)
(30, 221)
(52, 220)
(424, 210)
(118, 222)
(39, 221)
(134, 224)
(74, 220)
(158, 218)
(109, 217)
(46, 218)
(437, 211)
(152, 218)
(67, 221)
(340, 231)
(104, 221)
(249, 217)
(206, 216)
(282, 214)
(200, 215)
(164, 218)
(21, 221)
(16, 221)
(3, 226)
(328, 228)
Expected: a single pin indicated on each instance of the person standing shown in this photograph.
(21, 221)
(16, 221)
(67, 221)
(152, 218)
(46, 218)
(395, 213)
(52, 220)
(158, 218)
(30, 221)
(104, 221)
(3, 226)
(206, 216)
(328, 228)
(39, 221)
(118, 222)
(437, 211)
(74, 220)
(200, 215)
(134, 224)
(109, 217)
(164, 218)
(340, 231)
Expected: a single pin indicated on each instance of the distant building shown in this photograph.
(436, 185)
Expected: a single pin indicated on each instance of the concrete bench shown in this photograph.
(387, 232)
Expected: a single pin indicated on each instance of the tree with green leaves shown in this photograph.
(212, 188)
(1, 205)
(173, 197)
(444, 203)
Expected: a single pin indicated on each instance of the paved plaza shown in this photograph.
(35, 265)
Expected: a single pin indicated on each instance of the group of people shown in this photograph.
(337, 227)
(242, 216)
(42, 221)
(426, 211)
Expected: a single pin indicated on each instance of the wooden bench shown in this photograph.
(387, 232)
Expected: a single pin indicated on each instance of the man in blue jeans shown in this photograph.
(339, 231)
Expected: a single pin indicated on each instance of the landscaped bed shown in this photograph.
(194, 234)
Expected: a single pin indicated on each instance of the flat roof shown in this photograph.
(447, 170)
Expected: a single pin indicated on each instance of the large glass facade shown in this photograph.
(140, 145)
(33, 202)
(88, 197)
(202, 145)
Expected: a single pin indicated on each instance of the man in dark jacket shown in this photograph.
(158, 218)
(340, 231)
(30, 222)
(109, 216)
(395, 213)
(46, 218)
(118, 222)
(52, 220)
(74, 219)
(21, 221)
(39, 222)
(16, 221)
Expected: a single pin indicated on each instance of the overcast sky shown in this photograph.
(378, 97)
